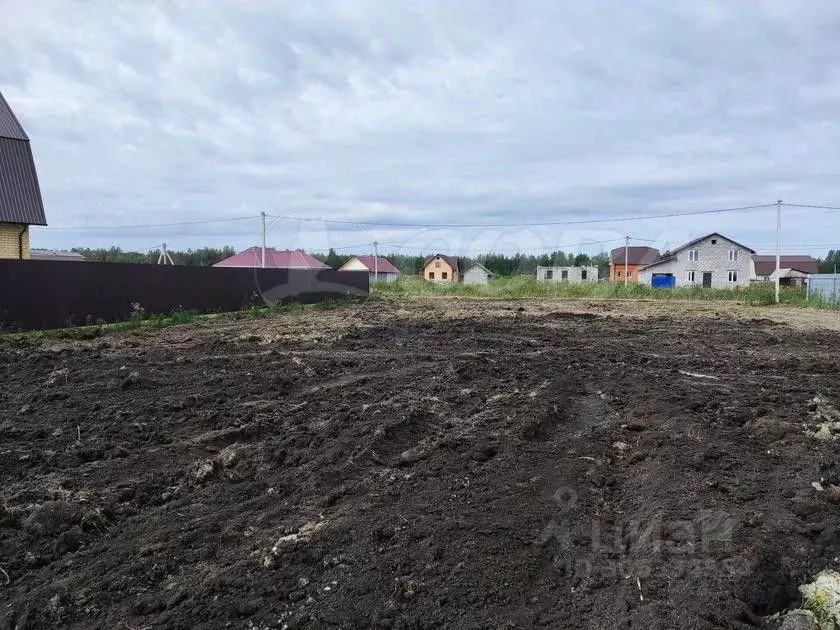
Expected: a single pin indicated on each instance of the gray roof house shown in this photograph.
(477, 274)
(20, 195)
(710, 261)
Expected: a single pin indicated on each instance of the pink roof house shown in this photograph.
(274, 259)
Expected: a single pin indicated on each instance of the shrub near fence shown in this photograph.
(37, 294)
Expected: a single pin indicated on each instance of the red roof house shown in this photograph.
(274, 259)
(766, 265)
(380, 269)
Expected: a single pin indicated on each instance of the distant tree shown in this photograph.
(203, 257)
(602, 261)
(830, 263)
(334, 260)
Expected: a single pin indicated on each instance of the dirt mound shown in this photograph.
(411, 471)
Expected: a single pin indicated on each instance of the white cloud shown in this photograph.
(427, 112)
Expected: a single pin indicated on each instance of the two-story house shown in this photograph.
(440, 269)
(710, 261)
(20, 196)
(636, 258)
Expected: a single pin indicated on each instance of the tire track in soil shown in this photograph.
(516, 474)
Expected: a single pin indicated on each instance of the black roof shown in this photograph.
(635, 255)
(452, 261)
(20, 195)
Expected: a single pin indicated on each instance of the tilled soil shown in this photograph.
(395, 466)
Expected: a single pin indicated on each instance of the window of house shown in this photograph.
(629, 275)
(431, 275)
(564, 275)
(690, 276)
(620, 274)
(444, 275)
(733, 255)
(693, 255)
(437, 264)
(714, 241)
(549, 274)
(583, 274)
(733, 276)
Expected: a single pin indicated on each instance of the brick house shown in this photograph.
(710, 261)
(20, 196)
(637, 257)
(569, 275)
(440, 269)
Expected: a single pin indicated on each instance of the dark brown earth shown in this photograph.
(402, 466)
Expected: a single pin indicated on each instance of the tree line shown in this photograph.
(202, 257)
(499, 264)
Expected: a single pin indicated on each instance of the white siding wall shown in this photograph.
(383, 277)
(574, 274)
(713, 258)
(354, 264)
(476, 275)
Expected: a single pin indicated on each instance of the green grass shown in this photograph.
(500, 288)
(524, 287)
(157, 322)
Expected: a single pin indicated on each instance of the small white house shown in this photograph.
(572, 275)
(477, 274)
(379, 268)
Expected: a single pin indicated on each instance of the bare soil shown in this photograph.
(423, 464)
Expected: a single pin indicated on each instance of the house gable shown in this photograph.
(438, 265)
(709, 241)
(20, 194)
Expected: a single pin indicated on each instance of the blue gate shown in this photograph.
(663, 281)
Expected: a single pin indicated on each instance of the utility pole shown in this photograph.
(263, 239)
(626, 258)
(164, 258)
(778, 247)
(375, 261)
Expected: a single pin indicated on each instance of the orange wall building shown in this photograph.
(637, 257)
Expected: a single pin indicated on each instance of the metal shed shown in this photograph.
(824, 285)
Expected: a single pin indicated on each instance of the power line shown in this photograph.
(442, 225)
(807, 205)
(152, 225)
(516, 249)
(508, 225)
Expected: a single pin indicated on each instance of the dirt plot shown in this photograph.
(425, 464)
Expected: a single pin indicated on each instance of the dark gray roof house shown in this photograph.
(20, 195)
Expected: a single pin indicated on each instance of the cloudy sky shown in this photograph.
(435, 112)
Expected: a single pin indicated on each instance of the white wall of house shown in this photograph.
(383, 277)
(729, 264)
(476, 275)
(354, 264)
(572, 275)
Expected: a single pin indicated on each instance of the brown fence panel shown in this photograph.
(38, 294)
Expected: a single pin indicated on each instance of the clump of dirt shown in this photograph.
(419, 469)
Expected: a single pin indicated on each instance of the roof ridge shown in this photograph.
(10, 126)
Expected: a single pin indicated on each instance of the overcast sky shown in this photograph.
(476, 111)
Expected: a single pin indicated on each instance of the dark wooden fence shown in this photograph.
(38, 294)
